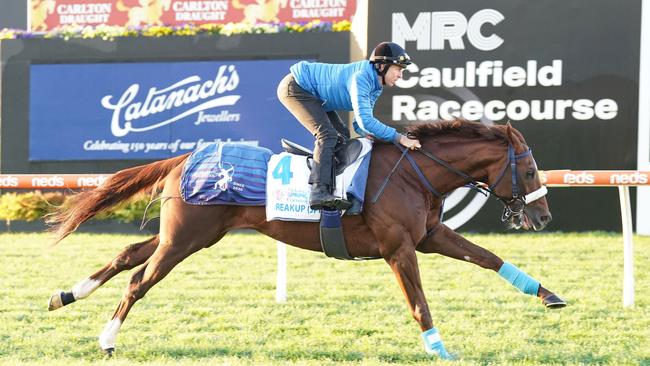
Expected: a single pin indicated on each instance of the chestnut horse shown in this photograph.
(405, 218)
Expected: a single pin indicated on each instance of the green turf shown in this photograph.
(218, 307)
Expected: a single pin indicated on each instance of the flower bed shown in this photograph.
(107, 32)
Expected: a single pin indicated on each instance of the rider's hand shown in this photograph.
(412, 144)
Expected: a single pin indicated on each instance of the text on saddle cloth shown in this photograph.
(288, 188)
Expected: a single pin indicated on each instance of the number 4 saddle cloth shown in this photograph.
(230, 173)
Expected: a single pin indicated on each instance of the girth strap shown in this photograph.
(331, 237)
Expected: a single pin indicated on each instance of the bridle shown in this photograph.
(513, 207)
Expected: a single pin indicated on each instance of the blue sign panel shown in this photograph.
(156, 110)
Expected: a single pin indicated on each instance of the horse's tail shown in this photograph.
(118, 188)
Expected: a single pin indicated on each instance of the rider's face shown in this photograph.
(394, 73)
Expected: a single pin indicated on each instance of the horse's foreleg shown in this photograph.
(404, 264)
(449, 243)
(133, 255)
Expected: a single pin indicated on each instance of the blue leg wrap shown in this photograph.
(433, 344)
(519, 279)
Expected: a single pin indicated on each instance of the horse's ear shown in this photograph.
(509, 134)
(512, 137)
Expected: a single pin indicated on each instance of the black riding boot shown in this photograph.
(321, 197)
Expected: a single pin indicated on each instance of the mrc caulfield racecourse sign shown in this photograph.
(569, 83)
(154, 110)
(438, 29)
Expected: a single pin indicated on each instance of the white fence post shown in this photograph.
(628, 246)
(281, 280)
(643, 146)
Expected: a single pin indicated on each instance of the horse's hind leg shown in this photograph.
(448, 243)
(184, 229)
(131, 256)
(163, 260)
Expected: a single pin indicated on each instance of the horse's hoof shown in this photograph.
(109, 352)
(445, 355)
(55, 301)
(553, 301)
(449, 357)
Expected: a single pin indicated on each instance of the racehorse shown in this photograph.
(403, 219)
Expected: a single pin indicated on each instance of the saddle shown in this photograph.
(331, 232)
(345, 153)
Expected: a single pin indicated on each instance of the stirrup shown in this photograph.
(335, 204)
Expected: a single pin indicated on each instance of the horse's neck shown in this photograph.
(470, 156)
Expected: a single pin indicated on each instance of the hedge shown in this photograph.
(35, 205)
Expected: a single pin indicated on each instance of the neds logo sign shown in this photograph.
(431, 29)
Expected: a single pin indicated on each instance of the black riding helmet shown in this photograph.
(388, 53)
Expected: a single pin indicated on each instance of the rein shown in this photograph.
(512, 207)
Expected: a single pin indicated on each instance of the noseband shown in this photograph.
(512, 207)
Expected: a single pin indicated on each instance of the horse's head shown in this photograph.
(474, 154)
(518, 186)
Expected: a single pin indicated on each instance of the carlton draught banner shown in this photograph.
(565, 73)
(50, 14)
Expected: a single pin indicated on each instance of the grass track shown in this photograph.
(218, 308)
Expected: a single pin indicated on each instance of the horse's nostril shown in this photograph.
(546, 218)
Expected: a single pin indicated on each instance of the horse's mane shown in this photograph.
(458, 127)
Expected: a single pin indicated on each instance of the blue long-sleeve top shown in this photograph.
(346, 87)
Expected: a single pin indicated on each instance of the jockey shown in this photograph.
(313, 92)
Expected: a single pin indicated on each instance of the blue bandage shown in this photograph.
(519, 279)
(433, 344)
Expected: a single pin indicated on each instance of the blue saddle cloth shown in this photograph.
(226, 173)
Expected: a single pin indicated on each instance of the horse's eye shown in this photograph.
(530, 174)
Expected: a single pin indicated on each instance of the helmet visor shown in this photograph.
(403, 60)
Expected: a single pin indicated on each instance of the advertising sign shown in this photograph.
(50, 14)
(122, 111)
(565, 79)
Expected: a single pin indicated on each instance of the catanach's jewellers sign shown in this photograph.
(154, 110)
